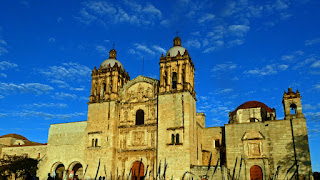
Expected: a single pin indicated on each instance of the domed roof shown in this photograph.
(17, 136)
(172, 52)
(253, 104)
(112, 60)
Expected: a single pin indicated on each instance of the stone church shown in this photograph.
(149, 128)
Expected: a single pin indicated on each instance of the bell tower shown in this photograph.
(176, 70)
(292, 104)
(108, 79)
(177, 121)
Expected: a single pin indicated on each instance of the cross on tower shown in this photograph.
(113, 45)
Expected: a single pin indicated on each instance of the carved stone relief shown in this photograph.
(138, 138)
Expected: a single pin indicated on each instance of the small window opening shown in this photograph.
(217, 143)
(177, 139)
(140, 117)
(96, 143)
(174, 80)
(293, 109)
(104, 87)
(172, 139)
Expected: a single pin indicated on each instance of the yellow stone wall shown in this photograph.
(273, 139)
(65, 146)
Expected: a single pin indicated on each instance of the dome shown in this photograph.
(17, 136)
(254, 104)
(176, 48)
(112, 60)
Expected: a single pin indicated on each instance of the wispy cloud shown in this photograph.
(67, 71)
(316, 64)
(4, 65)
(159, 49)
(130, 12)
(267, 70)
(312, 42)
(238, 30)
(63, 95)
(144, 48)
(223, 91)
(224, 67)
(36, 88)
(52, 40)
(3, 49)
(206, 18)
(45, 115)
(46, 105)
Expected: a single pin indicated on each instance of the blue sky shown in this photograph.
(242, 50)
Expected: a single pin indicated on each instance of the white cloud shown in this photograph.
(308, 107)
(153, 11)
(287, 57)
(235, 42)
(193, 43)
(51, 40)
(283, 67)
(131, 12)
(223, 91)
(144, 48)
(67, 71)
(29, 114)
(224, 67)
(1, 97)
(7, 65)
(206, 18)
(46, 105)
(159, 49)
(36, 88)
(102, 49)
(312, 42)
(267, 70)
(63, 95)
(238, 30)
(315, 64)
(3, 75)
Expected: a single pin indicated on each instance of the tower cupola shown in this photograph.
(176, 70)
(108, 79)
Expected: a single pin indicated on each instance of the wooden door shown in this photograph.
(137, 170)
(255, 173)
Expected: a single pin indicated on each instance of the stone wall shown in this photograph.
(65, 146)
(267, 144)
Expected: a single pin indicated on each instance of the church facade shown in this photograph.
(146, 127)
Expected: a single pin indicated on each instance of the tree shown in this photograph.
(17, 166)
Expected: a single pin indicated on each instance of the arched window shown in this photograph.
(139, 117)
(177, 139)
(104, 87)
(172, 139)
(174, 80)
(96, 143)
(293, 109)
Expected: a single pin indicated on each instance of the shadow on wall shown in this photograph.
(301, 154)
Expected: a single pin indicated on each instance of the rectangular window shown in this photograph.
(216, 143)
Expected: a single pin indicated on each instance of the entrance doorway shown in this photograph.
(137, 170)
(255, 173)
(59, 172)
(78, 171)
